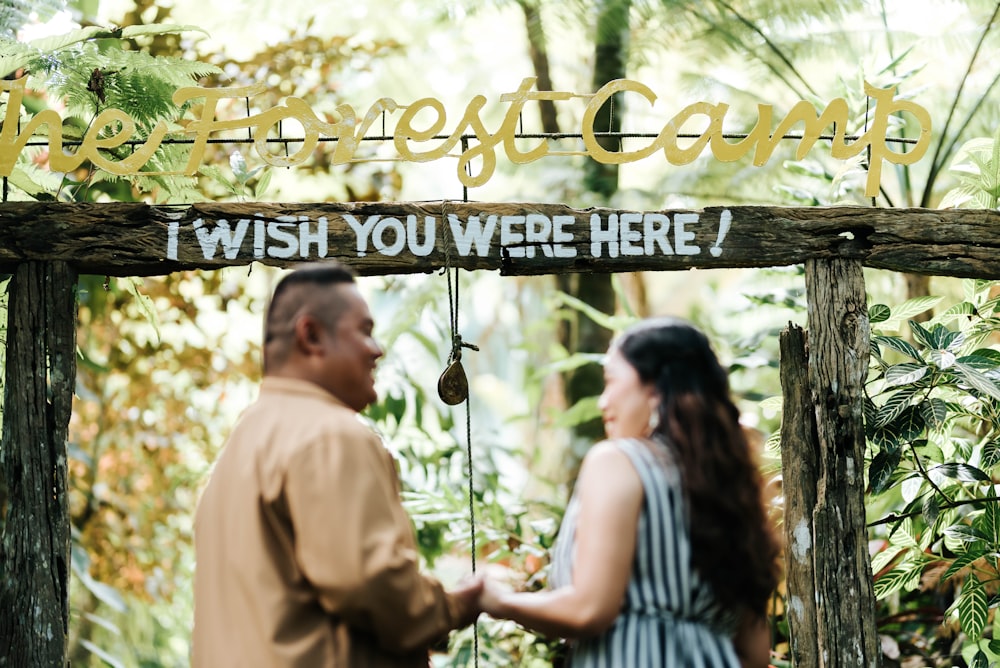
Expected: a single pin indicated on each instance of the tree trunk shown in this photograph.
(838, 365)
(538, 50)
(584, 335)
(35, 547)
(800, 475)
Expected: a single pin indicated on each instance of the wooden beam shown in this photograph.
(515, 238)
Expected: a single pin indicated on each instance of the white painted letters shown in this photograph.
(529, 235)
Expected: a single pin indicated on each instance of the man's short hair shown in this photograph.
(286, 301)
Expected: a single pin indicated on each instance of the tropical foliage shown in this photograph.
(164, 364)
(933, 422)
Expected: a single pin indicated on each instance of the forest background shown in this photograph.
(166, 364)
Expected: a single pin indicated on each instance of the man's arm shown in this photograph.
(355, 545)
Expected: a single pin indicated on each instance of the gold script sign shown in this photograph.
(418, 139)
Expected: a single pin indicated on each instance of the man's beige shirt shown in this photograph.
(305, 555)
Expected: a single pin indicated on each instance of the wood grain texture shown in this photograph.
(35, 546)
(132, 239)
(839, 335)
(799, 472)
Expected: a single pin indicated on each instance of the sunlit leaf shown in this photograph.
(891, 582)
(976, 380)
(964, 533)
(895, 405)
(905, 374)
(991, 455)
(613, 323)
(961, 471)
(972, 607)
(899, 345)
(104, 656)
(582, 411)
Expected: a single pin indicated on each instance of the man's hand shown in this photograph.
(466, 595)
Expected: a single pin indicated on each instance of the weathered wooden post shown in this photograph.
(831, 600)
(35, 546)
(799, 454)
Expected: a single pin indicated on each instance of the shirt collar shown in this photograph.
(296, 386)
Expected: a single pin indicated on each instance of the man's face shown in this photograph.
(351, 352)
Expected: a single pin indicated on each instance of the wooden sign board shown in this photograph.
(133, 239)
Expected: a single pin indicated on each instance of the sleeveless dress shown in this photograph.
(670, 617)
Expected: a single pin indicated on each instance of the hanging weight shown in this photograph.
(453, 386)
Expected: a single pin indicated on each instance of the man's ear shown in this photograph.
(308, 333)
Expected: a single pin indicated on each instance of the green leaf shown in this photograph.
(903, 534)
(891, 582)
(582, 411)
(960, 471)
(914, 307)
(881, 469)
(936, 337)
(964, 533)
(145, 304)
(58, 42)
(960, 309)
(878, 313)
(104, 656)
(613, 323)
(963, 560)
(931, 509)
(905, 374)
(973, 608)
(886, 557)
(988, 522)
(991, 455)
(885, 438)
(983, 359)
(977, 380)
(899, 345)
(158, 29)
(895, 405)
(935, 412)
(569, 363)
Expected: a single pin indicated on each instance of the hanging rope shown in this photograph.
(453, 388)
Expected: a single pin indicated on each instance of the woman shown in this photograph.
(665, 556)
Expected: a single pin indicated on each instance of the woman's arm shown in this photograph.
(610, 496)
(753, 642)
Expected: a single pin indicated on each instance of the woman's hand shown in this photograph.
(491, 598)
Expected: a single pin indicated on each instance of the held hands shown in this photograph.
(467, 595)
(491, 598)
(482, 593)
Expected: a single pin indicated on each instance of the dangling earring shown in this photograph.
(654, 421)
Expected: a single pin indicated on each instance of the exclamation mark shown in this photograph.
(172, 239)
(724, 220)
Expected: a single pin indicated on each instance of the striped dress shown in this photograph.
(669, 617)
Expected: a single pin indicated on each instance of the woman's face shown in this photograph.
(626, 402)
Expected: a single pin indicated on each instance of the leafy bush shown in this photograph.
(932, 416)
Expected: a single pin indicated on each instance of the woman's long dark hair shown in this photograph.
(733, 544)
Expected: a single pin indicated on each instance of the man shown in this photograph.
(305, 555)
